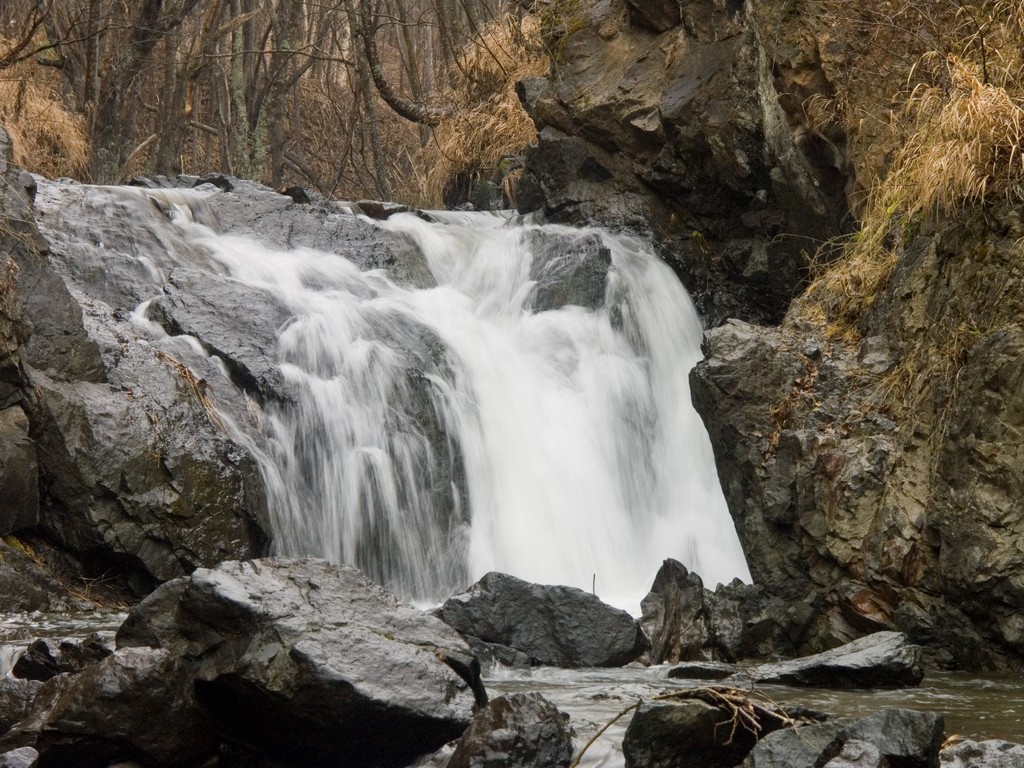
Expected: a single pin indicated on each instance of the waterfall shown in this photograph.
(529, 413)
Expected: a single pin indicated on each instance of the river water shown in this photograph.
(974, 706)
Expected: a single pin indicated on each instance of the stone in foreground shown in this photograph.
(982, 754)
(555, 626)
(311, 663)
(687, 734)
(521, 730)
(881, 660)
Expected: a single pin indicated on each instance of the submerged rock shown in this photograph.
(881, 660)
(521, 730)
(556, 626)
(569, 269)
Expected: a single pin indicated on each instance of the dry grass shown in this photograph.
(490, 123)
(8, 285)
(962, 143)
(48, 139)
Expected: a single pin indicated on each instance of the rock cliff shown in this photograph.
(871, 463)
(666, 118)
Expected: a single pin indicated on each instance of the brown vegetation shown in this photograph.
(338, 96)
(955, 141)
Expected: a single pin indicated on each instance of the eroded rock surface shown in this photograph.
(556, 626)
(521, 730)
(289, 662)
(673, 120)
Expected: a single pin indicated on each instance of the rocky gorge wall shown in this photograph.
(873, 471)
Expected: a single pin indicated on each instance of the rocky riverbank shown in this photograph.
(280, 663)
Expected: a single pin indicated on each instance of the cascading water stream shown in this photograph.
(433, 434)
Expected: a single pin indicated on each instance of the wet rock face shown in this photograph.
(886, 505)
(665, 118)
(556, 626)
(135, 450)
(521, 730)
(311, 663)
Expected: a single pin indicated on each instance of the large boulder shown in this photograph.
(138, 704)
(521, 730)
(798, 747)
(687, 622)
(671, 119)
(311, 663)
(881, 660)
(552, 625)
(872, 479)
(904, 738)
(693, 732)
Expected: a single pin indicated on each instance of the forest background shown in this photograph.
(409, 100)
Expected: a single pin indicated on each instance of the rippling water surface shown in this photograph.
(974, 706)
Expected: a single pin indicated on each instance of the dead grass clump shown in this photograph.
(490, 123)
(8, 285)
(962, 144)
(48, 139)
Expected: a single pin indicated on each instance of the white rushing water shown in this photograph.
(440, 433)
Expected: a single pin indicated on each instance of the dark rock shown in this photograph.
(219, 180)
(689, 733)
(736, 621)
(659, 15)
(23, 757)
(298, 194)
(495, 653)
(881, 660)
(138, 475)
(659, 134)
(674, 616)
(311, 663)
(568, 269)
(19, 473)
(137, 704)
(556, 626)
(16, 697)
(858, 754)
(219, 312)
(905, 738)
(153, 479)
(799, 747)
(982, 754)
(49, 657)
(521, 730)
